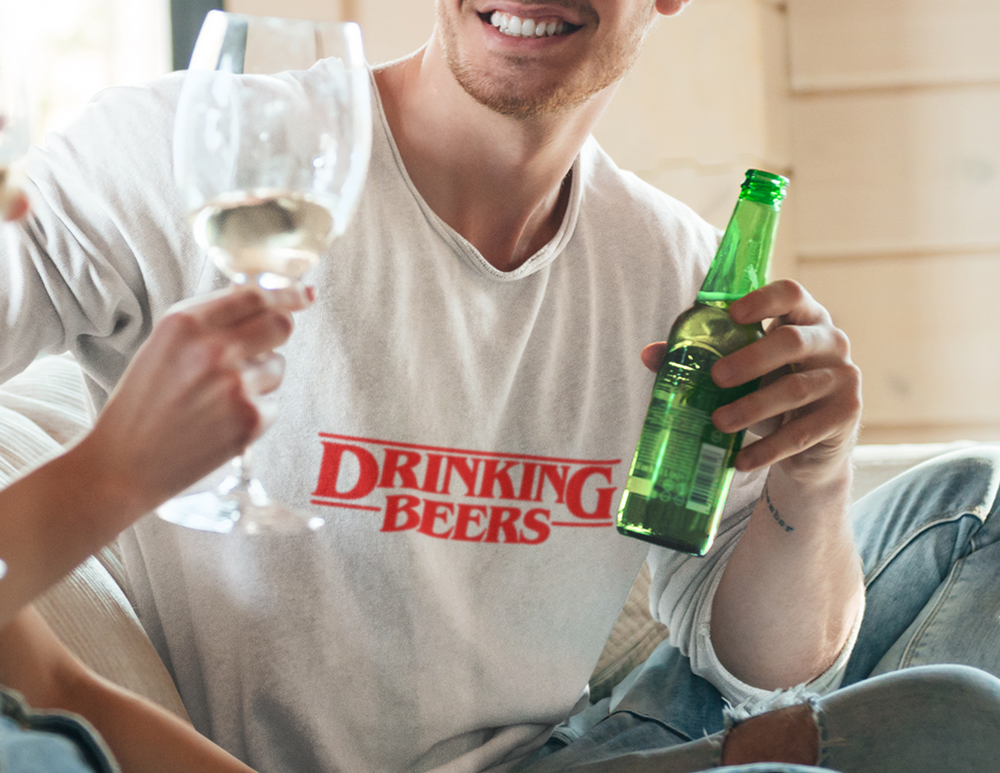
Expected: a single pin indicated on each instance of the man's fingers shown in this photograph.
(784, 300)
(653, 354)
(784, 346)
(808, 431)
(790, 392)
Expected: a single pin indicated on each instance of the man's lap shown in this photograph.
(932, 559)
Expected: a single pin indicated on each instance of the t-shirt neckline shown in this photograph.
(465, 249)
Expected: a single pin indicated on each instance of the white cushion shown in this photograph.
(41, 410)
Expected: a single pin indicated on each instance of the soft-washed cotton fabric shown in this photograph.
(466, 432)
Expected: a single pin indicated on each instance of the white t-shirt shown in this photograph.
(466, 432)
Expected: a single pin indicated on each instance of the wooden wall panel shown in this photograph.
(391, 28)
(707, 100)
(394, 28)
(925, 332)
(837, 44)
(319, 10)
(699, 95)
(898, 172)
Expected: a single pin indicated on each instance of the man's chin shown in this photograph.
(511, 100)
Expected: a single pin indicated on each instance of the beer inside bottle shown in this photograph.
(683, 466)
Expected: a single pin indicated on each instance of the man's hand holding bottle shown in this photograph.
(810, 394)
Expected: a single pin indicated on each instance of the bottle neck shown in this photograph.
(741, 262)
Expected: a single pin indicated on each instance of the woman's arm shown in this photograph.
(143, 737)
(186, 404)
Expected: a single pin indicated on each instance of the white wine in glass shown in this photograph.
(277, 233)
(272, 139)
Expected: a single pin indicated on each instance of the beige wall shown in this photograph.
(895, 109)
(706, 101)
(391, 28)
(885, 114)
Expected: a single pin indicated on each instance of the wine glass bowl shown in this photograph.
(272, 138)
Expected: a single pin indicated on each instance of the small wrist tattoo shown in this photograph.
(774, 511)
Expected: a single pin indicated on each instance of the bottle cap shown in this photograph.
(764, 187)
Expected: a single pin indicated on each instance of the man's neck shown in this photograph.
(497, 180)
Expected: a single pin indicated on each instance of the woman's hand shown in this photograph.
(189, 400)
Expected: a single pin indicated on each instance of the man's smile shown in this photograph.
(515, 26)
(545, 20)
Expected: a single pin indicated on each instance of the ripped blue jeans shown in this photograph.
(930, 543)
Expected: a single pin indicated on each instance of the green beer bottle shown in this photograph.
(683, 465)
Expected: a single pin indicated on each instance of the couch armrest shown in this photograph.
(41, 410)
(89, 612)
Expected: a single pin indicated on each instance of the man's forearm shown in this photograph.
(793, 588)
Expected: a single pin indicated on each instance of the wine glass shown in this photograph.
(13, 113)
(13, 130)
(272, 138)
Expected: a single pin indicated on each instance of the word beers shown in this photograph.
(463, 495)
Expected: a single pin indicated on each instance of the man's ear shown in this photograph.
(671, 7)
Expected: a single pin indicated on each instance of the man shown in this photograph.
(521, 108)
(463, 402)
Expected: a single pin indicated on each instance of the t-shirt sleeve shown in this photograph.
(80, 273)
(682, 590)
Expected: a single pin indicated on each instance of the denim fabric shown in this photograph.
(928, 540)
(932, 718)
(48, 742)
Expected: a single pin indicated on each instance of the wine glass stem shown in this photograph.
(244, 469)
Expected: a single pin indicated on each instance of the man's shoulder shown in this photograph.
(631, 190)
(119, 125)
(622, 200)
(140, 100)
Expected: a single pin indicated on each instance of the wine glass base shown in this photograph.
(248, 510)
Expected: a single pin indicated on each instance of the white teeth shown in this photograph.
(525, 28)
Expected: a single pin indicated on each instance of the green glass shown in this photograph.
(683, 466)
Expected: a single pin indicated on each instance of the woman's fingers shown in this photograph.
(193, 396)
(231, 306)
(263, 375)
(14, 203)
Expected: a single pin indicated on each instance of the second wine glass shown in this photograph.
(271, 146)
(13, 117)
